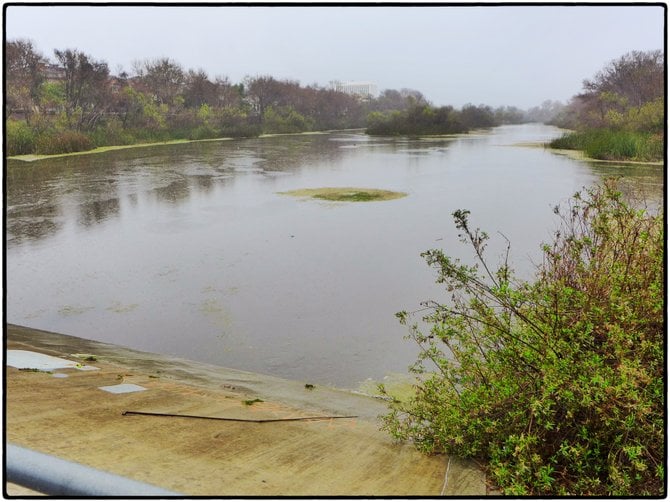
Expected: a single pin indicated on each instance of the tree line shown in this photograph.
(78, 100)
(74, 103)
(423, 119)
(621, 112)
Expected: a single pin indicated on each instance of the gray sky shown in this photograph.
(496, 55)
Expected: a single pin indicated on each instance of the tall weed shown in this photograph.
(63, 142)
(20, 137)
(610, 144)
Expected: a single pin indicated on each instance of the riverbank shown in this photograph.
(104, 149)
(67, 413)
(581, 156)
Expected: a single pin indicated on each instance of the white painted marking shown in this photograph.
(27, 359)
(122, 388)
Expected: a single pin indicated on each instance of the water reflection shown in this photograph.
(204, 183)
(176, 191)
(97, 185)
(22, 229)
(97, 211)
(189, 250)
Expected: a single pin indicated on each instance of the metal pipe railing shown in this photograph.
(54, 476)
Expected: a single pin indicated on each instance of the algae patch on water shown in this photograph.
(396, 386)
(346, 194)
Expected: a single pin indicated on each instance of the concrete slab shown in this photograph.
(72, 419)
(122, 388)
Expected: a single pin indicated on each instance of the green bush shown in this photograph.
(420, 120)
(111, 133)
(556, 384)
(246, 130)
(63, 142)
(203, 132)
(20, 137)
(284, 120)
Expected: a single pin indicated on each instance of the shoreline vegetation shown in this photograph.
(554, 384)
(572, 153)
(77, 105)
(73, 103)
(581, 155)
(32, 157)
(620, 115)
(111, 148)
(613, 145)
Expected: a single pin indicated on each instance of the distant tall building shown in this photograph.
(360, 89)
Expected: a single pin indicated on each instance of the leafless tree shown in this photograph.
(163, 78)
(86, 88)
(23, 75)
(636, 76)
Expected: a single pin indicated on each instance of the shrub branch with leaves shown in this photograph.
(556, 385)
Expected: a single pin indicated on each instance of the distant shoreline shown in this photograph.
(573, 154)
(102, 149)
(580, 155)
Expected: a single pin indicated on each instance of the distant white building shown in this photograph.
(360, 89)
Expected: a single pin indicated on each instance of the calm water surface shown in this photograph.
(190, 250)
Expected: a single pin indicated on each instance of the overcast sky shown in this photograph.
(496, 55)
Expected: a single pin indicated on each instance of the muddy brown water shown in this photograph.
(190, 249)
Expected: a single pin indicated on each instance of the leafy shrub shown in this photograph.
(111, 133)
(236, 123)
(556, 384)
(20, 137)
(284, 120)
(203, 132)
(243, 130)
(63, 142)
(648, 117)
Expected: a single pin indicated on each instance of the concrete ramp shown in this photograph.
(180, 443)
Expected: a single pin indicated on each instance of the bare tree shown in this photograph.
(636, 76)
(199, 90)
(86, 88)
(265, 91)
(228, 95)
(23, 74)
(163, 78)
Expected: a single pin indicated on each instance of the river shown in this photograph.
(190, 249)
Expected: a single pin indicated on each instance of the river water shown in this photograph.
(191, 250)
